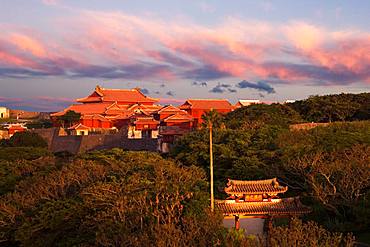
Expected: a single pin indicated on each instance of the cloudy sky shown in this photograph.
(53, 51)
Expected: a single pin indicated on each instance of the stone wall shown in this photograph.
(21, 114)
(70, 144)
(306, 126)
(47, 134)
(78, 144)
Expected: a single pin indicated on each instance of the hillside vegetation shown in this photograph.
(121, 198)
(328, 166)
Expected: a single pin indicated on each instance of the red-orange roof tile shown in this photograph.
(144, 120)
(168, 109)
(240, 187)
(119, 95)
(91, 108)
(179, 117)
(206, 104)
(275, 207)
(79, 126)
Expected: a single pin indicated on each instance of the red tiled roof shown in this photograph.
(92, 108)
(144, 120)
(168, 109)
(179, 117)
(240, 187)
(90, 99)
(282, 207)
(16, 127)
(207, 104)
(119, 95)
(79, 126)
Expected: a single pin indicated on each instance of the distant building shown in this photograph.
(4, 112)
(106, 109)
(79, 130)
(289, 101)
(14, 128)
(198, 107)
(247, 102)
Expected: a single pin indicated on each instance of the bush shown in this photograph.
(301, 234)
(27, 139)
(22, 153)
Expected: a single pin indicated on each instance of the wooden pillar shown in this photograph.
(290, 221)
(268, 224)
(237, 222)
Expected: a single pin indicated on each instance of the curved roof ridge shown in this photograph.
(208, 99)
(262, 181)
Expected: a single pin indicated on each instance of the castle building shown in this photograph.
(125, 108)
(198, 107)
(258, 199)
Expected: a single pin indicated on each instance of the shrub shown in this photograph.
(27, 139)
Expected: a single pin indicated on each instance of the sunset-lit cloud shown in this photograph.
(114, 45)
(38, 103)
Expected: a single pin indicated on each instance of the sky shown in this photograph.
(54, 51)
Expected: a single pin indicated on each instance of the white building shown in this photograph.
(4, 112)
(247, 102)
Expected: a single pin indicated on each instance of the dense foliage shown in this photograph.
(40, 124)
(337, 107)
(117, 198)
(260, 114)
(112, 198)
(328, 166)
(69, 118)
(25, 139)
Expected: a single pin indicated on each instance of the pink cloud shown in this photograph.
(28, 44)
(50, 2)
(116, 45)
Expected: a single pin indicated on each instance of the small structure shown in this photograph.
(247, 102)
(4, 112)
(258, 199)
(14, 128)
(79, 129)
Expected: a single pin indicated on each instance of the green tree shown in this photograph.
(69, 118)
(254, 116)
(27, 139)
(337, 107)
(212, 117)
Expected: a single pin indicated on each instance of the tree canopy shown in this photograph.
(337, 107)
(69, 118)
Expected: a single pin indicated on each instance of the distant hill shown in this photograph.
(336, 107)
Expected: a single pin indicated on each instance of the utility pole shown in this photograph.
(211, 165)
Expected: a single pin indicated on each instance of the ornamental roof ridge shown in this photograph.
(241, 187)
(261, 181)
(208, 99)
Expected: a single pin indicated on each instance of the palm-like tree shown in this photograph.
(211, 118)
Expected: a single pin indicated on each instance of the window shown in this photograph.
(2, 115)
(82, 133)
